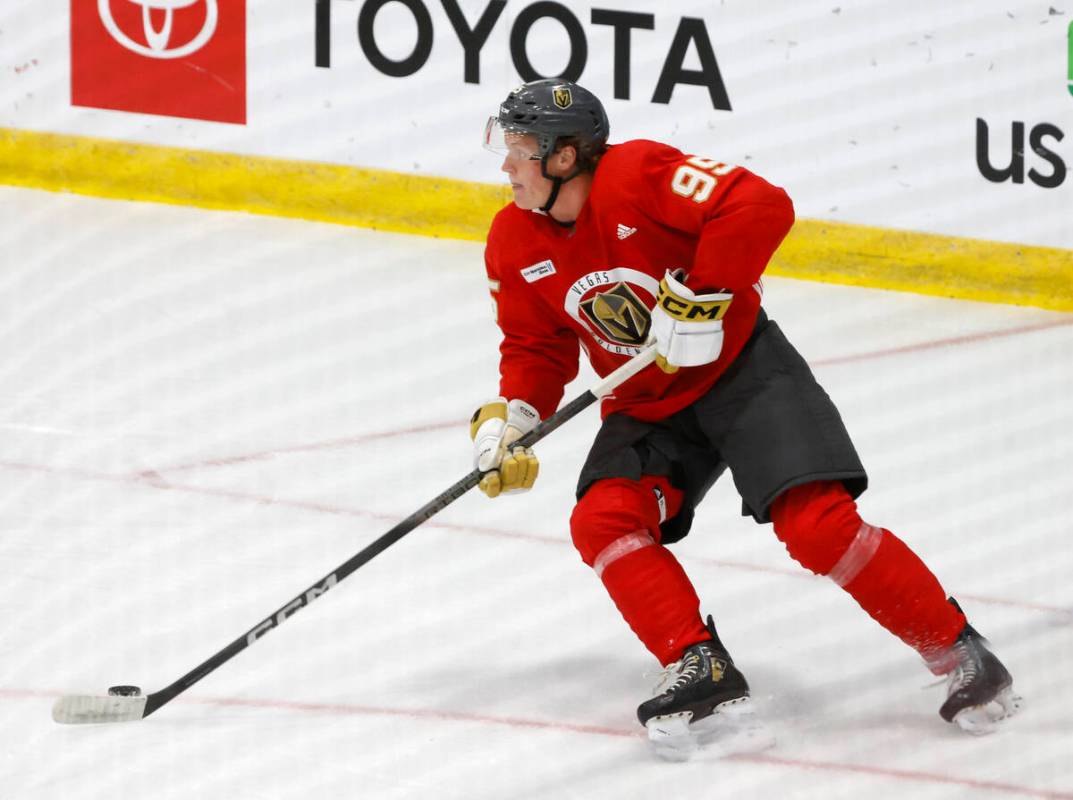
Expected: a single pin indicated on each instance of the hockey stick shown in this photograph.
(126, 703)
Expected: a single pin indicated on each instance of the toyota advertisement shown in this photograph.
(882, 114)
(179, 58)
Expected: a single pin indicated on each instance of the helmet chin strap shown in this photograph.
(557, 182)
(556, 185)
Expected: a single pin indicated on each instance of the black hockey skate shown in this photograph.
(702, 699)
(979, 688)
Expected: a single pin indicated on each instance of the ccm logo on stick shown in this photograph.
(281, 615)
(690, 43)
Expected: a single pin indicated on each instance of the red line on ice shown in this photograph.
(159, 483)
(350, 441)
(969, 338)
(330, 444)
(902, 774)
(425, 714)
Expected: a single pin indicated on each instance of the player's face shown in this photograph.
(522, 165)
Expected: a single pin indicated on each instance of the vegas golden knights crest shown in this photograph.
(562, 97)
(619, 315)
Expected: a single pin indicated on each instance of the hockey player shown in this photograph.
(608, 247)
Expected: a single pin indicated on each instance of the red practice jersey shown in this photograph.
(651, 209)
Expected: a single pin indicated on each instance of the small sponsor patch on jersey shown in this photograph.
(539, 270)
(625, 231)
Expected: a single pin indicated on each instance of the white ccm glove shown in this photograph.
(687, 327)
(495, 426)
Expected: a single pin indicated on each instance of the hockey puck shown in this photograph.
(125, 691)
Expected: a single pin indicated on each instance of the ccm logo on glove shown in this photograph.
(494, 428)
(687, 327)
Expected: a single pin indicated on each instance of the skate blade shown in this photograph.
(985, 719)
(732, 729)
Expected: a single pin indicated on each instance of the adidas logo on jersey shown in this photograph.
(625, 232)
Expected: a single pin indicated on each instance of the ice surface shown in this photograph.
(202, 413)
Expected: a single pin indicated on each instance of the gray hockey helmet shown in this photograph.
(550, 109)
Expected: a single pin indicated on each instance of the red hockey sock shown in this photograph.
(819, 524)
(615, 527)
(899, 592)
(657, 600)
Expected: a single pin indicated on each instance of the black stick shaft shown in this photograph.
(426, 512)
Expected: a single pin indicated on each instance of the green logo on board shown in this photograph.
(1069, 57)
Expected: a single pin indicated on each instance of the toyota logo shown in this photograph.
(158, 41)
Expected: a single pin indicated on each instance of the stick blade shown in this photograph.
(84, 709)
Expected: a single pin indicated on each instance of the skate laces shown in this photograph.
(967, 667)
(964, 671)
(674, 676)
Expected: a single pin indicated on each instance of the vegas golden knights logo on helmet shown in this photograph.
(562, 97)
(619, 315)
